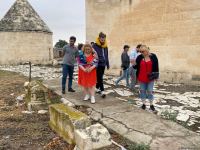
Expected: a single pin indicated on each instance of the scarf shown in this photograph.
(99, 43)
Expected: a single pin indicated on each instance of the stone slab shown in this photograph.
(133, 123)
(94, 137)
(64, 120)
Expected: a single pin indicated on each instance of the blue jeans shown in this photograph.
(125, 75)
(146, 91)
(133, 78)
(67, 71)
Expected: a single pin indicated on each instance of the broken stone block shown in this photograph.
(66, 102)
(37, 96)
(64, 120)
(96, 116)
(92, 138)
(182, 117)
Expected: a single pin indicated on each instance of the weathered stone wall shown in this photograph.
(171, 28)
(19, 47)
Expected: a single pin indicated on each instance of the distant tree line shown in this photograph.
(60, 44)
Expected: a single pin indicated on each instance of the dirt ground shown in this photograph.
(20, 131)
(23, 131)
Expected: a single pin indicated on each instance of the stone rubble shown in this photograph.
(94, 137)
(182, 117)
(66, 102)
(45, 73)
(12, 94)
(42, 112)
(27, 112)
(20, 98)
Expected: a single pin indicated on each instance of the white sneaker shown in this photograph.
(92, 100)
(98, 91)
(87, 97)
(103, 95)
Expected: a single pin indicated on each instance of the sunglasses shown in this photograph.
(141, 51)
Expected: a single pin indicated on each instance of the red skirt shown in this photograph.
(87, 79)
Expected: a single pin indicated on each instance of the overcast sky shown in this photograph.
(64, 17)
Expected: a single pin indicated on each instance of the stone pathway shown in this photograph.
(135, 124)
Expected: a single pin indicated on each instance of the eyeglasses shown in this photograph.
(141, 51)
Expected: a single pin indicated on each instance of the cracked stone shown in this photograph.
(96, 116)
(117, 127)
(93, 137)
(138, 137)
(182, 117)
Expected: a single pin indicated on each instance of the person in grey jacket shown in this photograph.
(125, 66)
(70, 52)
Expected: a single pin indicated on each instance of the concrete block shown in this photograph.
(64, 120)
(93, 137)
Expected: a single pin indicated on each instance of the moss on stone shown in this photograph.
(73, 113)
(62, 133)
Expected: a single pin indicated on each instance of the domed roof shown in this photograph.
(22, 17)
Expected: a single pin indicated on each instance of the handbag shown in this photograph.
(153, 75)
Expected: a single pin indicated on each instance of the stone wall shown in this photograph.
(171, 28)
(19, 47)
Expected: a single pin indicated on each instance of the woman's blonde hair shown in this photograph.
(87, 45)
(145, 48)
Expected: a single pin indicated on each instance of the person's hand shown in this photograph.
(90, 69)
(82, 68)
(86, 69)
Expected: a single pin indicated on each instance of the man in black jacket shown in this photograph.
(125, 66)
(102, 51)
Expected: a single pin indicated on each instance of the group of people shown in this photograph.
(140, 66)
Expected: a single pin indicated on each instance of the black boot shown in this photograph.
(152, 108)
(63, 91)
(71, 90)
(143, 106)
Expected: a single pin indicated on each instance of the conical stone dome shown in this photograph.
(22, 17)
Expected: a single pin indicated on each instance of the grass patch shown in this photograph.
(141, 146)
(169, 115)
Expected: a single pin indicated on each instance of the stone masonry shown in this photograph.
(170, 28)
(24, 36)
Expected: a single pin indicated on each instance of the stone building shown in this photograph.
(171, 28)
(57, 53)
(24, 36)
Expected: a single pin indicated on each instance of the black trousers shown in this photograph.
(100, 73)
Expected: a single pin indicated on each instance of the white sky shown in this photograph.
(63, 17)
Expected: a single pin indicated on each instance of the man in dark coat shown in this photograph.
(102, 51)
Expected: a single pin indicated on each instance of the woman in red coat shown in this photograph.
(87, 72)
